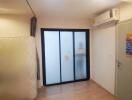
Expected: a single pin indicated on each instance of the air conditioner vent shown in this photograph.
(111, 14)
(107, 17)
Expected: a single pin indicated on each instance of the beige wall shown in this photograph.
(14, 25)
(18, 68)
(57, 23)
(103, 51)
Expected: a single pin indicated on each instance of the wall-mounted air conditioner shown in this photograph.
(107, 17)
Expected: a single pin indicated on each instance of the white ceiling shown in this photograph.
(57, 8)
(71, 8)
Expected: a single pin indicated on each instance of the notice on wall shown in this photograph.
(129, 46)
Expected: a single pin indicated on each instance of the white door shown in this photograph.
(124, 61)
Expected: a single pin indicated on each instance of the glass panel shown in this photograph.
(67, 56)
(52, 57)
(80, 55)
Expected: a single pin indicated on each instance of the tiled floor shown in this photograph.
(86, 90)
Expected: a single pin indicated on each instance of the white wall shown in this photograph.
(57, 23)
(103, 51)
(14, 25)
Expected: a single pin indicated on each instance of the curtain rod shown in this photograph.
(30, 8)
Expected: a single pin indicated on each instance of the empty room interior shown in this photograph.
(65, 49)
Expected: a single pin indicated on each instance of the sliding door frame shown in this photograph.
(87, 53)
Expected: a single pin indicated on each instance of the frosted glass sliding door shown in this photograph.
(67, 72)
(64, 56)
(80, 55)
(52, 57)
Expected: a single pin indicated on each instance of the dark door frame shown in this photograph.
(87, 53)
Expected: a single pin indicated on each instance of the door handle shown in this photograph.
(119, 64)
